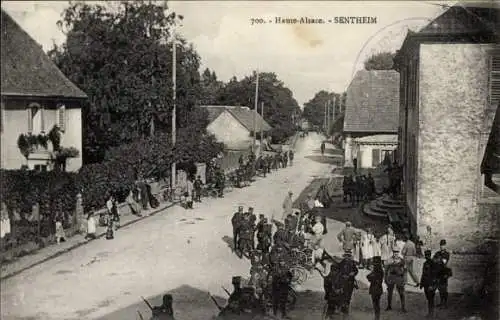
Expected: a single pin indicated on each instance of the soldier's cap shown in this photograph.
(442, 242)
(377, 260)
(348, 223)
(347, 251)
(290, 192)
(240, 207)
(167, 299)
(236, 280)
(427, 252)
(261, 215)
(250, 208)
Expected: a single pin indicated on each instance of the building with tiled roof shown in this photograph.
(371, 118)
(234, 125)
(35, 96)
(450, 91)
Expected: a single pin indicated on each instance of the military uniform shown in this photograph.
(333, 286)
(348, 272)
(376, 278)
(429, 281)
(282, 278)
(395, 278)
(246, 236)
(280, 236)
(441, 258)
(236, 221)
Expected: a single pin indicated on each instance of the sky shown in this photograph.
(306, 57)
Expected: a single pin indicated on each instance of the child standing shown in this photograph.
(376, 278)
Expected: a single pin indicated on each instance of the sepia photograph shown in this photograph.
(250, 160)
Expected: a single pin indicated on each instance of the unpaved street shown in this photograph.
(175, 250)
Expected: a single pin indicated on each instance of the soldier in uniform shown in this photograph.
(282, 277)
(280, 236)
(371, 187)
(395, 278)
(252, 219)
(236, 221)
(441, 258)
(165, 311)
(246, 236)
(347, 236)
(348, 272)
(285, 159)
(235, 301)
(429, 281)
(333, 290)
(376, 278)
(220, 183)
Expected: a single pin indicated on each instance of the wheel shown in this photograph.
(299, 275)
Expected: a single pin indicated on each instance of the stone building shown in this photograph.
(450, 90)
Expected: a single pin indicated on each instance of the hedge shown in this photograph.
(54, 191)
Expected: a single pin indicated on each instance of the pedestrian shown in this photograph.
(395, 277)
(235, 300)
(347, 237)
(60, 234)
(429, 282)
(322, 148)
(91, 226)
(332, 285)
(285, 159)
(318, 229)
(246, 237)
(236, 221)
(409, 253)
(282, 279)
(387, 242)
(290, 156)
(287, 205)
(376, 278)
(197, 185)
(441, 258)
(166, 310)
(252, 222)
(368, 247)
(348, 272)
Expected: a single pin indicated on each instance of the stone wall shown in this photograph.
(453, 104)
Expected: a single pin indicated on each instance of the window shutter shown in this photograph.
(494, 79)
(61, 117)
(30, 119)
(375, 157)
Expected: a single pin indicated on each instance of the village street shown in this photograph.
(182, 252)
(172, 249)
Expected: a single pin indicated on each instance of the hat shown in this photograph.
(348, 223)
(377, 260)
(240, 207)
(236, 280)
(427, 252)
(290, 192)
(250, 208)
(348, 251)
(442, 242)
(261, 215)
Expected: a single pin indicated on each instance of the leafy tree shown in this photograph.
(122, 58)
(380, 61)
(279, 103)
(210, 87)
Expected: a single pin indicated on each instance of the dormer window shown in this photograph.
(36, 123)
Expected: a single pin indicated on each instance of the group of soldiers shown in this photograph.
(271, 258)
(358, 188)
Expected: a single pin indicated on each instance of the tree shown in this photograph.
(210, 87)
(279, 103)
(122, 59)
(380, 61)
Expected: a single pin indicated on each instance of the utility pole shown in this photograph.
(255, 109)
(327, 116)
(174, 97)
(262, 126)
(324, 122)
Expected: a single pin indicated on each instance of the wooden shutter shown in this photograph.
(61, 117)
(29, 114)
(375, 157)
(494, 79)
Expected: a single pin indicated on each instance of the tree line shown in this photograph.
(120, 54)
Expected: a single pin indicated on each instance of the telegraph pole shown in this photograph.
(327, 116)
(174, 98)
(262, 125)
(255, 109)
(324, 122)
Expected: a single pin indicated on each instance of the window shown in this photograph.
(494, 80)
(40, 167)
(61, 117)
(375, 157)
(387, 155)
(35, 118)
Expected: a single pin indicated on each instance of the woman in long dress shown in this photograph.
(368, 243)
(357, 249)
(387, 242)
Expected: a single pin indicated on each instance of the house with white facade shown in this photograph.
(371, 118)
(36, 97)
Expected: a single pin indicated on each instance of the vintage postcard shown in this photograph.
(198, 160)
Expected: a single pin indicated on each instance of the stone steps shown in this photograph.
(372, 214)
(382, 207)
(390, 205)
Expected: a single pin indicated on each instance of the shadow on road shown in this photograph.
(229, 241)
(324, 159)
(334, 152)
